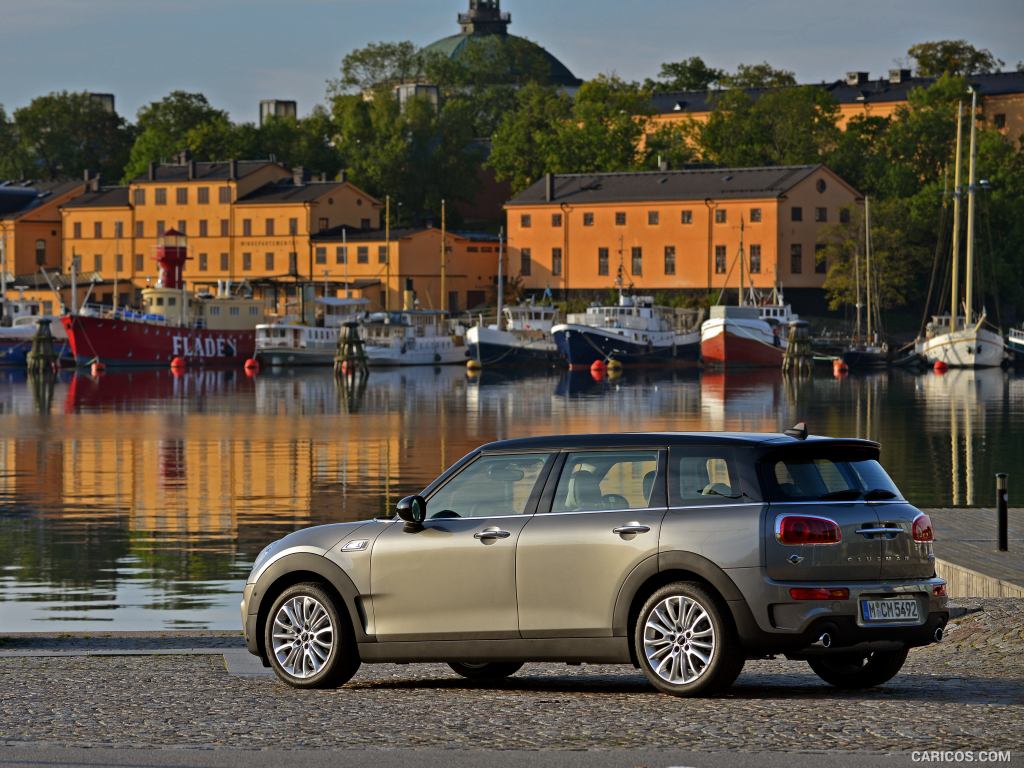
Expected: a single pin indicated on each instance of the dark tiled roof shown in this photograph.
(20, 197)
(290, 193)
(355, 235)
(876, 91)
(219, 171)
(701, 184)
(107, 197)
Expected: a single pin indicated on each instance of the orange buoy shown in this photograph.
(940, 366)
(839, 366)
(178, 362)
(252, 364)
(598, 367)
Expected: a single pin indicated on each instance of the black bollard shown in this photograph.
(1002, 502)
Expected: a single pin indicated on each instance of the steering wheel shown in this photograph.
(615, 501)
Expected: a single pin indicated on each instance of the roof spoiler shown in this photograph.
(798, 430)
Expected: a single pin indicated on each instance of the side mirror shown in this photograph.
(412, 509)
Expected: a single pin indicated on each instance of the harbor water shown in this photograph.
(138, 499)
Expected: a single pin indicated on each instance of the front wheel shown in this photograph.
(485, 671)
(685, 643)
(857, 670)
(308, 642)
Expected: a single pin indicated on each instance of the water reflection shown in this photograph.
(139, 499)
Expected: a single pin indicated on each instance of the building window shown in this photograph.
(181, 195)
(556, 261)
(324, 224)
(293, 226)
(321, 255)
(293, 263)
(755, 215)
(719, 259)
(796, 258)
(620, 218)
(118, 229)
(97, 263)
(269, 259)
(755, 259)
(821, 215)
(246, 227)
(224, 194)
(382, 254)
(844, 215)
(820, 263)
(203, 195)
(224, 262)
(341, 254)
(524, 261)
(638, 260)
(556, 219)
(363, 254)
(602, 261)
(999, 121)
(160, 196)
(97, 230)
(119, 263)
(203, 231)
(40, 252)
(139, 263)
(78, 230)
(588, 219)
(160, 229)
(670, 259)
(182, 226)
(270, 227)
(204, 262)
(246, 262)
(225, 227)
(720, 216)
(140, 229)
(525, 221)
(139, 196)
(797, 213)
(686, 217)
(653, 218)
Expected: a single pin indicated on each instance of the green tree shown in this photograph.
(525, 143)
(952, 57)
(377, 66)
(163, 129)
(761, 75)
(690, 74)
(12, 160)
(63, 134)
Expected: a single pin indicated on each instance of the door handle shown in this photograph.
(489, 534)
(622, 530)
(882, 529)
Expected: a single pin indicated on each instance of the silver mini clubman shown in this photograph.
(683, 554)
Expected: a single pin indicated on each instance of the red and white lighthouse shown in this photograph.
(171, 255)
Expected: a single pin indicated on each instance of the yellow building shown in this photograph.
(246, 221)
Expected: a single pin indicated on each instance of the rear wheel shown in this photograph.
(857, 670)
(485, 671)
(685, 643)
(309, 643)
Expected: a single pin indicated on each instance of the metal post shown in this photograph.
(501, 276)
(1002, 502)
(3, 274)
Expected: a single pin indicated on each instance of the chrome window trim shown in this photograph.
(678, 507)
(600, 511)
(827, 501)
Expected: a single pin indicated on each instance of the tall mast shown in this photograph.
(387, 250)
(444, 258)
(969, 267)
(954, 301)
(501, 276)
(742, 286)
(856, 274)
(867, 264)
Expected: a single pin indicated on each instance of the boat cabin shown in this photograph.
(224, 311)
(530, 318)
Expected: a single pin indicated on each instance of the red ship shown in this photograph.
(203, 329)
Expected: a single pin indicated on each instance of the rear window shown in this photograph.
(826, 479)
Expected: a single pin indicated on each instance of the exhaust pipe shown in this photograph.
(939, 634)
(825, 641)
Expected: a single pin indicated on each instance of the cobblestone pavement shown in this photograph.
(967, 693)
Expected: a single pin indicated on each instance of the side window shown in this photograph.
(603, 480)
(491, 486)
(699, 476)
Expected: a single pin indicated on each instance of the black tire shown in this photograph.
(485, 672)
(725, 660)
(341, 662)
(851, 671)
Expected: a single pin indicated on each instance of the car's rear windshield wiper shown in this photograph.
(876, 494)
(849, 494)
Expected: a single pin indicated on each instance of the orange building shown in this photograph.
(672, 230)
(246, 221)
(411, 274)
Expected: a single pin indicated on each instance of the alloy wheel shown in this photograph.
(679, 639)
(303, 636)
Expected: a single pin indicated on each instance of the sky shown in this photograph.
(240, 51)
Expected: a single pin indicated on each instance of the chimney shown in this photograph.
(662, 165)
(342, 176)
(152, 171)
(856, 78)
(232, 169)
(191, 170)
(899, 75)
(549, 187)
(298, 176)
(184, 156)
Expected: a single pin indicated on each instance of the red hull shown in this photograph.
(133, 343)
(726, 350)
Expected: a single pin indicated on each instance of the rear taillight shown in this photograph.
(922, 529)
(819, 593)
(939, 590)
(804, 529)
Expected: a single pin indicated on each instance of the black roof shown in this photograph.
(106, 197)
(629, 439)
(289, 192)
(881, 90)
(354, 234)
(20, 197)
(204, 171)
(691, 184)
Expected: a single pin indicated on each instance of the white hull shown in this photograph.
(751, 330)
(438, 350)
(965, 348)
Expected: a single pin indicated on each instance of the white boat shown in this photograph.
(1016, 342)
(955, 340)
(751, 335)
(411, 337)
(289, 343)
(523, 336)
(16, 338)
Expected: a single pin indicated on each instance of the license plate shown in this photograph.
(889, 610)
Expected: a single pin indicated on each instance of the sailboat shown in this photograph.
(953, 340)
(866, 351)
